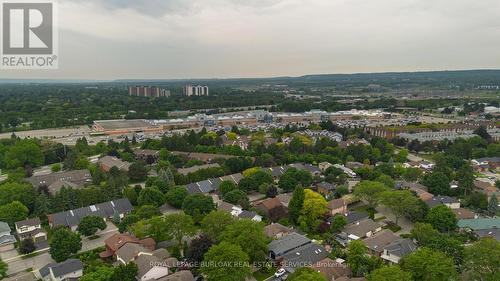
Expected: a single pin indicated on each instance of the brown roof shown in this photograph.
(275, 228)
(331, 269)
(116, 241)
(28, 222)
(336, 203)
(270, 203)
(378, 241)
(183, 275)
(130, 251)
(463, 213)
(148, 243)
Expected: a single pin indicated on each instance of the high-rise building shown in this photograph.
(148, 91)
(190, 90)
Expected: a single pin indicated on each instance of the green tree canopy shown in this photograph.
(90, 224)
(429, 265)
(306, 274)
(64, 243)
(442, 218)
(389, 273)
(226, 262)
(482, 259)
(249, 235)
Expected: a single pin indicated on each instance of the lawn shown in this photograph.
(264, 273)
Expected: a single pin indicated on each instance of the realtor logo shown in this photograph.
(28, 35)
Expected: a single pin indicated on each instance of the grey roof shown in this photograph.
(287, 243)
(489, 159)
(103, 210)
(62, 268)
(355, 216)
(492, 232)
(278, 170)
(401, 247)
(327, 186)
(378, 241)
(361, 227)
(130, 251)
(28, 222)
(183, 275)
(438, 200)
(306, 167)
(7, 239)
(145, 263)
(111, 161)
(211, 185)
(247, 214)
(4, 227)
(54, 181)
(304, 255)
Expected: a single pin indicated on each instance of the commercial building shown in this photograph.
(147, 91)
(190, 90)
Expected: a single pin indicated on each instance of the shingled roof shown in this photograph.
(103, 210)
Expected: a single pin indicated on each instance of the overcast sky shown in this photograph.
(162, 39)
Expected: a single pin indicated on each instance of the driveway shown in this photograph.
(405, 224)
(17, 263)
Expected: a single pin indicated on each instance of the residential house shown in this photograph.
(479, 223)
(130, 251)
(448, 201)
(295, 250)
(395, 251)
(285, 198)
(212, 185)
(378, 241)
(7, 240)
(463, 213)
(326, 188)
(183, 275)
(153, 267)
(346, 170)
(238, 212)
(486, 163)
(70, 269)
(354, 165)
(276, 230)
(315, 171)
(54, 182)
(331, 270)
(337, 206)
(277, 172)
(419, 189)
(355, 216)
(106, 210)
(31, 229)
(118, 240)
(278, 248)
(240, 141)
(358, 230)
(272, 208)
(147, 156)
(492, 232)
(323, 166)
(108, 162)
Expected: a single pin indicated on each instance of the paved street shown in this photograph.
(17, 264)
